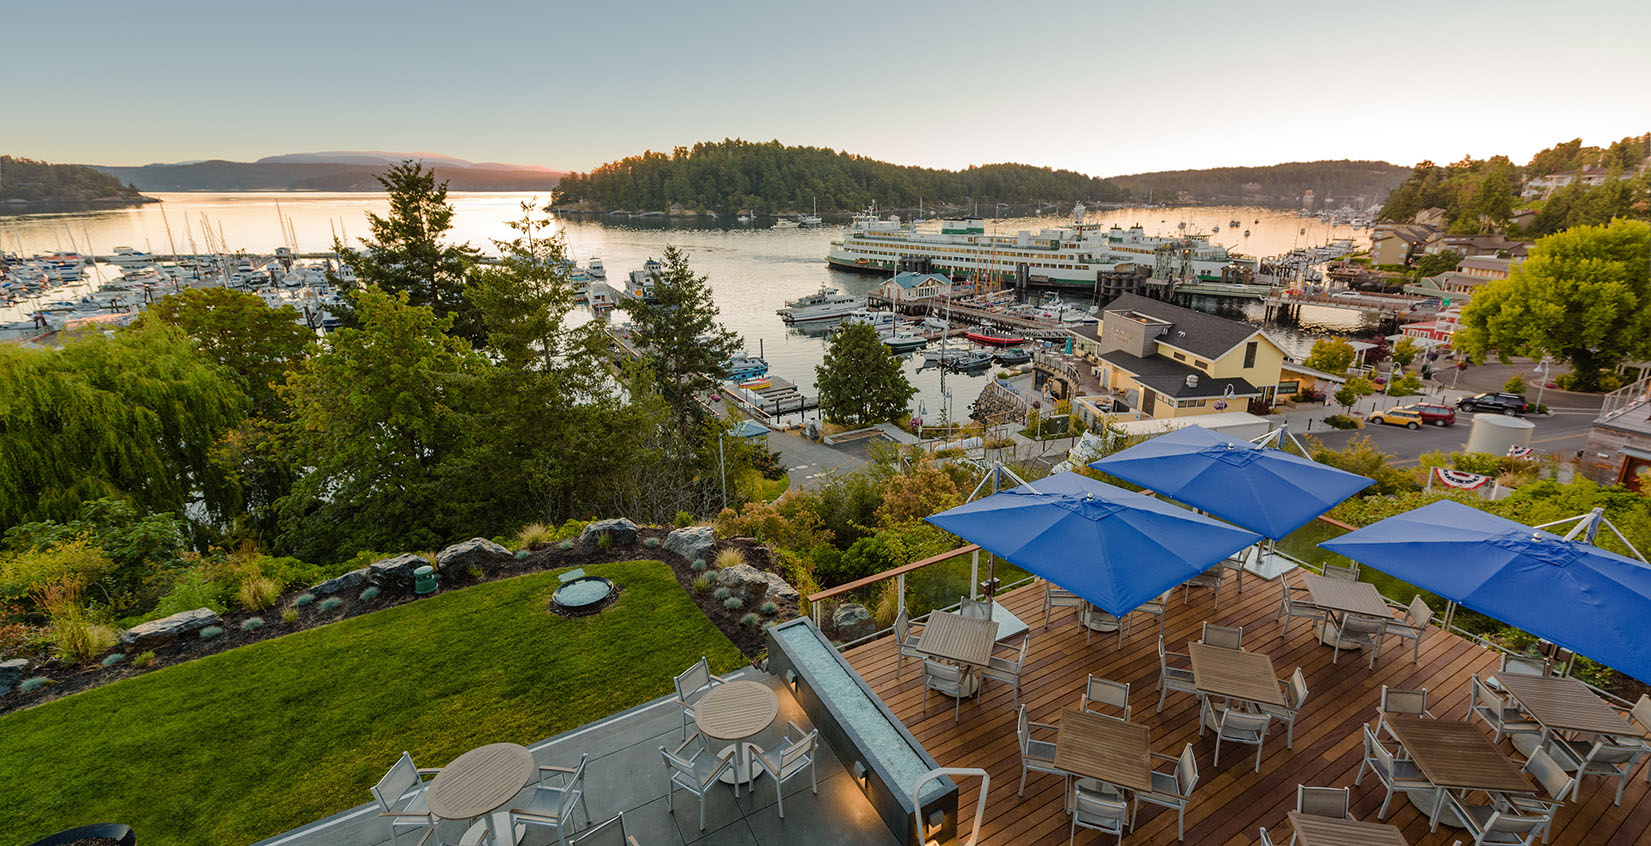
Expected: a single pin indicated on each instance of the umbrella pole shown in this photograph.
(974, 574)
(1450, 613)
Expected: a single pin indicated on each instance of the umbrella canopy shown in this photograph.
(1113, 547)
(1269, 490)
(1589, 600)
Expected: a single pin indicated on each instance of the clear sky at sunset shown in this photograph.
(1103, 88)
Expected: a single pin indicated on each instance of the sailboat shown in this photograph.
(814, 218)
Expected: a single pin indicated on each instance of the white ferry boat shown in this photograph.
(1071, 255)
(827, 304)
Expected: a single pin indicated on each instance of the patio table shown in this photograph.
(1008, 625)
(1313, 830)
(1234, 674)
(1562, 704)
(1104, 748)
(479, 783)
(1340, 595)
(1456, 755)
(734, 711)
(962, 640)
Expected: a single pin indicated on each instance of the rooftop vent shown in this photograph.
(1192, 381)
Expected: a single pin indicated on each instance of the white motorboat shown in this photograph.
(826, 304)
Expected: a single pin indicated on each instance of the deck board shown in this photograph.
(1232, 801)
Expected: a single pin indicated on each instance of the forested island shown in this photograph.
(30, 184)
(1271, 185)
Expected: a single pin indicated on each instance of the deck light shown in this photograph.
(791, 680)
(861, 777)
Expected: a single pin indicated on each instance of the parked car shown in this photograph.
(1495, 401)
(1400, 416)
(1438, 415)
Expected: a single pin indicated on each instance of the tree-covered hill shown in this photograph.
(1270, 185)
(769, 177)
(26, 182)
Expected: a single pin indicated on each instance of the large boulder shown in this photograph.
(852, 621)
(619, 530)
(339, 584)
(11, 672)
(167, 630)
(395, 572)
(476, 552)
(754, 586)
(692, 542)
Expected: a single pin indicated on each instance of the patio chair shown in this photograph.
(1396, 774)
(1156, 607)
(1359, 625)
(400, 793)
(1178, 679)
(1036, 756)
(1238, 727)
(1294, 603)
(1412, 626)
(1235, 563)
(1227, 636)
(1056, 597)
(1329, 802)
(554, 806)
(905, 641)
(1103, 812)
(1602, 757)
(606, 833)
(1295, 696)
(690, 686)
(1091, 613)
(1491, 826)
(1520, 665)
(980, 609)
(1099, 691)
(1007, 670)
(1172, 789)
(1265, 839)
(1336, 571)
(789, 760)
(1639, 715)
(1210, 578)
(694, 774)
(1398, 701)
(1554, 781)
(946, 678)
(1488, 705)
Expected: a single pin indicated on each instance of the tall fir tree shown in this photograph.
(860, 382)
(683, 345)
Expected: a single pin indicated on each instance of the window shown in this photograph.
(1202, 365)
(1180, 357)
(1249, 353)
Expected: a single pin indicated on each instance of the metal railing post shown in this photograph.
(900, 594)
(974, 574)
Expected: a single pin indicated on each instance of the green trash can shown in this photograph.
(424, 580)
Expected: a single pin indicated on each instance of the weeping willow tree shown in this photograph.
(133, 415)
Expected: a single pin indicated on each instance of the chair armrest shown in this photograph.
(692, 736)
(1162, 757)
(428, 833)
(792, 724)
(428, 770)
(1046, 726)
(425, 815)
(535, 815)
(554, 768)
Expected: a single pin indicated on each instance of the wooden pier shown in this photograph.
(1386, 307)
(1025, 327)
(780, 398)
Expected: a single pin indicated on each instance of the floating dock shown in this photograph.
(781, 397)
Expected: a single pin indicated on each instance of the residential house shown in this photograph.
(1396, 243)
(908, 287)
(1523, 218)
(1459, 285)
(1298, 378)
(1619, 443)
(1438, 332)
(1434, 217)
(1474, 245)
(1167, 361)
(1543, 186)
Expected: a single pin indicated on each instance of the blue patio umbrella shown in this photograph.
(1591, 601)
(1113, 547)
(1269, 490)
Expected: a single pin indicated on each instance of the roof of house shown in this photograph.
(1203, 335)
(909, 279)
(750, 429)
(1169, 377)
(1413, 233)
(1486, 263)
(1318, 374)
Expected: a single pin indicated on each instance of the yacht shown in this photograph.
(903, 342)
(742, 367)
(879, 320)
(826, 304)
(127, 258)
(595, 269)
(813, 218)
(640, 285)
(785, 223)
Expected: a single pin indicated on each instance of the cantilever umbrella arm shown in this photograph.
(994, 474)
(1588, 525)
(1275, 439)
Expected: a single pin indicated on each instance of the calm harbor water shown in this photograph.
(753, 271)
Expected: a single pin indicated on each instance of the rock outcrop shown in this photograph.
(619, 530)
(476, 552)
(852, 621)
(692, 542)
(167, 630)
(395, 572)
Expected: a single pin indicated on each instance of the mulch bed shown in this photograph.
(68, 679)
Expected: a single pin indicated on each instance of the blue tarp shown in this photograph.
(1589, 600)
(1269, 490)
(1113, 547)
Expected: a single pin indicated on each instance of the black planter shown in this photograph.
(122, 834)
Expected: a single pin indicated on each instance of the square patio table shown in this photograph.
(1562, 704)
(1008, 625)
(1313, 830)
(1345, 597)
(960, 639)
(1234, 674)
(1105, 749)
(1456, 755)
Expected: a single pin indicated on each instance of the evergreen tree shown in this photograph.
(240, 331)
(860, 381)
(685, 348)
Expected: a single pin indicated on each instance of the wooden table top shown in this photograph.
(1324, 831)
(1342, 595)
(1104, 748)
(1234, 673)
(1565, 704)
(954, 637)
(1457, 755)
(736, 710)
(480, 781)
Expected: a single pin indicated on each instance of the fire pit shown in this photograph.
(583, 595)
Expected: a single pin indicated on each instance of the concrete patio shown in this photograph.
(626, 775)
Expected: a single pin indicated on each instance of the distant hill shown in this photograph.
(1280, 184)
(26, 183)
(769, 177)
(329, 171)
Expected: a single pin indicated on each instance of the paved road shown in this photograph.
(1562, 433)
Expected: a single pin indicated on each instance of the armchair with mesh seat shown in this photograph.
(1059, 597)
(796, 754)
(1503, 718)
(1211, 579)
(1604, 756)
(1411, 627)
(1008, 670)
(401, 799)
(1358, 625)
(1396, 774)
(1098, 811)
(905, 640)
(606, 833)
(1235, 726)
(1295, 696)
(690, 686)
(1171, 789)
(1403, 702)
(1174, 677)
(556, 806)
(1558, 785)
(1036, 756)
(696, 773)
(1296, 602)
(1099, 692)
(945, 678)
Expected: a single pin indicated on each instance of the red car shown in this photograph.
(1433, 413)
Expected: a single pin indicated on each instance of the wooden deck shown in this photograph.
(1232, 801)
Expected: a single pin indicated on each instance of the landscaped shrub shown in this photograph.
(474, 571)
(698, 565)
(210, 632)
(31, 685)
(733, 603)
(751, 620)
(112, 659)
(257, 592)
(770, 609)
(143, 659)
(252, 624)
(77, 637)
(723, 593)
(1514, 385)
(331, 603)
(651, 543)
(683, 519)
(604, 540)
(533, 533)
(730, 557)
(1341, 421)
(704, 583)
(289, 614)
(522, 554)
(303, 600)
(369, 594)
(565, 545)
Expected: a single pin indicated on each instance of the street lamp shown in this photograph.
(1542, 367)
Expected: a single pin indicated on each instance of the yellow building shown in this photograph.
(1167, 361)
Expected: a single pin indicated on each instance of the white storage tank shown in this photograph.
(1494, 433)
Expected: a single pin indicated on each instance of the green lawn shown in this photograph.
(248, 743)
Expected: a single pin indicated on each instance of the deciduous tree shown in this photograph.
(1330, 355)
(860, 382)
(240, 331)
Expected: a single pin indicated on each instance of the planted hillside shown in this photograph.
(769, 177)
(1271, 185)
(30, 182)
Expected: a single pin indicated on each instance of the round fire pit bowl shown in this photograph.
(113, 832)
(584, 595)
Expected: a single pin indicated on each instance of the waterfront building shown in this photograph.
(1396, 243)
(1619, 442)
(910, 287)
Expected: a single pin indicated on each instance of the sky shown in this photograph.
(1103, 88)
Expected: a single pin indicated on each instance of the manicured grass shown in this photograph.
(248, 743)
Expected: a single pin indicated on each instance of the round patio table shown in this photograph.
(479, 783)
(734, 711)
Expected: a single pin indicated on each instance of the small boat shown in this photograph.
(595, 269)
(973, 360)
(785, 223)
(903, 342)
(1013, 357)
(741, 367)
(756, 384)
(994, 340)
